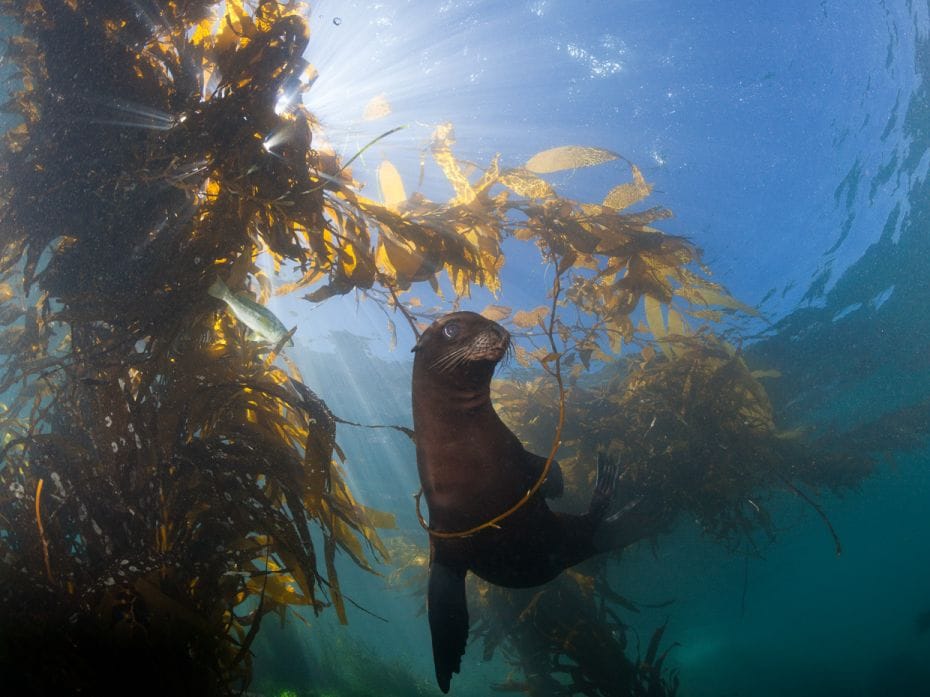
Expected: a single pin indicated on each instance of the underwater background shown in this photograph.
(790, 140)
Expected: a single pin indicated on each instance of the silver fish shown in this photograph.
(258, 318)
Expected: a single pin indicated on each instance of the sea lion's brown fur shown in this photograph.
(473, 468)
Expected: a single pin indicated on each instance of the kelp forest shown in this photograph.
(169, 480)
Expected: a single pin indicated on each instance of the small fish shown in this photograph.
(258, 318)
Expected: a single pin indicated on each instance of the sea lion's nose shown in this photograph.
(501, 334)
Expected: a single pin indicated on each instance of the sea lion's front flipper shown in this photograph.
(448, 619)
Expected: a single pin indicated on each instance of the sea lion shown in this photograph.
(473, 468)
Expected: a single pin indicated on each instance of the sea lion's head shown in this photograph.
(462, 344)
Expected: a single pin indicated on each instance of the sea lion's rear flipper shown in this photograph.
(448, 619)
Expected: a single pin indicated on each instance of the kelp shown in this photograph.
(166, 483)
(694, 430)
(565, 638)
(568, 638)
(167, 478)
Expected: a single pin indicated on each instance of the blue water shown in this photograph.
(792, 141)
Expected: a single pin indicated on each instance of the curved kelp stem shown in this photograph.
(818, 509)
(41, 528)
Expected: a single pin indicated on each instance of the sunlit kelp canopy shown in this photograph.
(166, 480)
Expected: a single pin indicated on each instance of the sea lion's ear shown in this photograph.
(417, 346)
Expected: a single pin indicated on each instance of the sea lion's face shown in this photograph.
(461, 341)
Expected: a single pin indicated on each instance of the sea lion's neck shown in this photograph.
(440, 395)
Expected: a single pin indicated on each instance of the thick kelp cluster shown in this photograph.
(165, 483)
(694, 430)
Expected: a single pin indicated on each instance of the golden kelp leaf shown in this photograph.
(443, 138)
(461, 281)
(281, 589)
(568, 157)
(713, 297)
(348, 259)
(335, 594)
(379, 519)
(706, 295)
(549, 357)
(490, 176)
(405, 261)
(309, 278)
(654, 317)
(616, 345)
(392, 186)
(526, 183)
(676, 323)
(532, 318)
(709, 315)
(233, 29)
(6, 292)
(626, 195)
(377, 108)
(496, 313)
(204, 30)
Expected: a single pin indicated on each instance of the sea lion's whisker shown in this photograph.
(509, 353)
(443, 359)
(450, 360)
(458, 358)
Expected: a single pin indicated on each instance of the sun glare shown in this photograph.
(428, 64)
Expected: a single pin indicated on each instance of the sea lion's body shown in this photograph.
(473, 468)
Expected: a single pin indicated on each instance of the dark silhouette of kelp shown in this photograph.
(165, 484)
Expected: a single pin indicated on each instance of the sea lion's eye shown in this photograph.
(451, 330)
